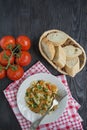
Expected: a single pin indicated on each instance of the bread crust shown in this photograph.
(72, 51)
(57, 38)
(60, 57)
(48, 48)
(72, 66)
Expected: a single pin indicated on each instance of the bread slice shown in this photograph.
(72, 66)
(57, 38)
(60, 57)
(72, 51)
(48, 48)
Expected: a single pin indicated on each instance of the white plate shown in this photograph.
(26, 112)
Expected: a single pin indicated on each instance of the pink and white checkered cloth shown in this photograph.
(69, 120)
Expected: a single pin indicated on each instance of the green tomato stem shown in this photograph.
(13, 53)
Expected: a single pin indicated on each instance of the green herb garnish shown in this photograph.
(26, 94)
(45, 89)
(39, 87)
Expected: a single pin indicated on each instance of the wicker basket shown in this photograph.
(70, 41)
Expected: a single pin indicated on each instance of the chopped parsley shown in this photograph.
(39, 87)
(26, 94)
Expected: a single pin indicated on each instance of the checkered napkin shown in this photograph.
(69, 120)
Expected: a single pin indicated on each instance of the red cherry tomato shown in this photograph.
(7, 42)
(15, 72)
(24, 42)
(24, 58)
(4, 56)
(2, 72)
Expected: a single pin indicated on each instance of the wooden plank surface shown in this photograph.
(32, 18)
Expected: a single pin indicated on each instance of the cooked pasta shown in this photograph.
(39, 95)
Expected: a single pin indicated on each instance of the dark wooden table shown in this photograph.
(32, 18)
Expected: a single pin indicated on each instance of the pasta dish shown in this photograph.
(39, 95)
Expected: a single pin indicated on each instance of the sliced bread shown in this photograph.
(60, 57)
(48, 48)
(72, 51)
(72, 66)
(57, 38)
